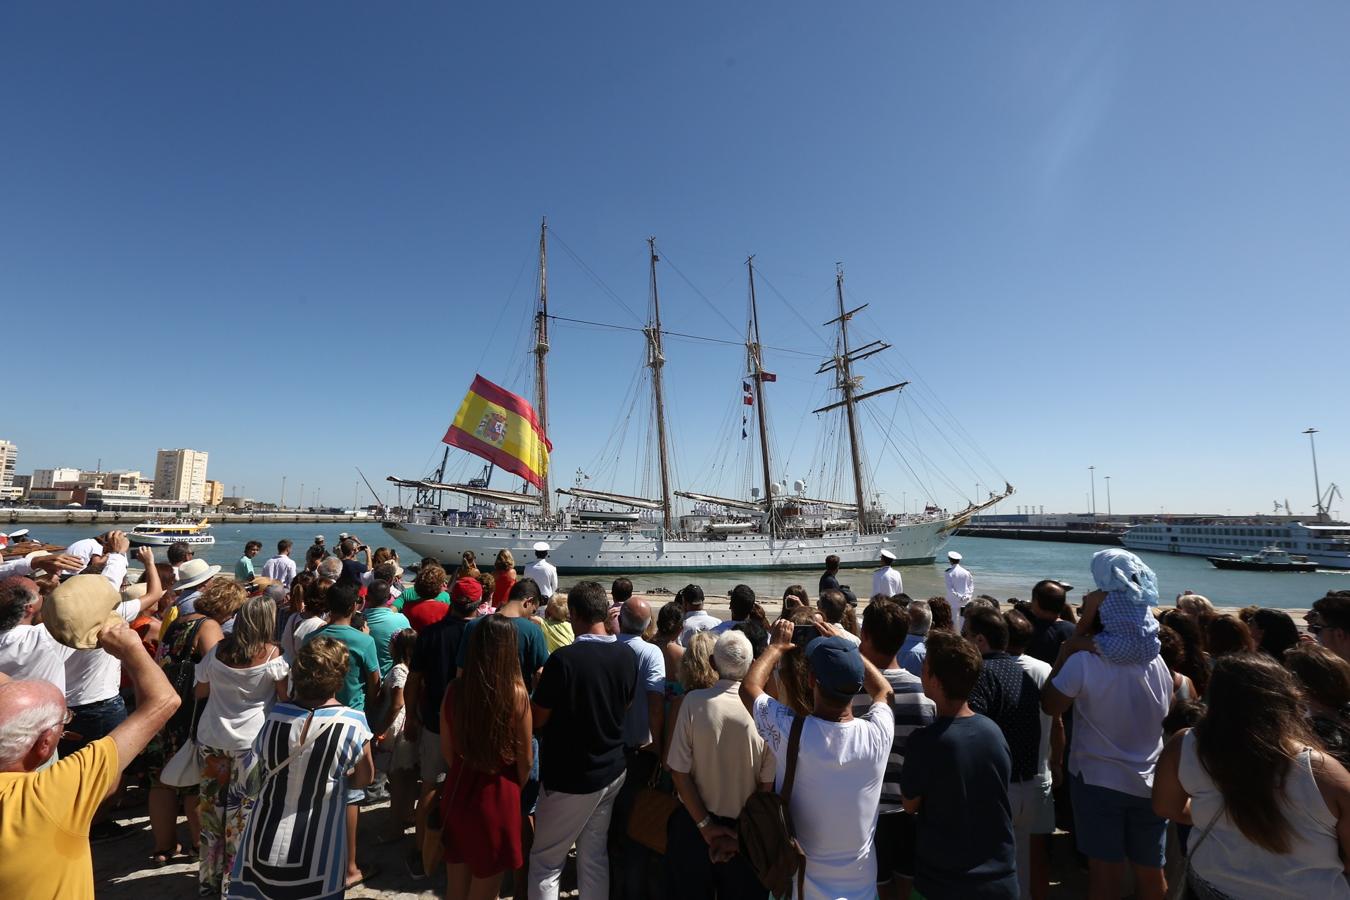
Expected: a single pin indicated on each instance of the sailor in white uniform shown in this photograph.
(887, 580)
(960, 587)
(544, 573)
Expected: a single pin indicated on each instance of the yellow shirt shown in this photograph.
(557, 634)
(44, 825)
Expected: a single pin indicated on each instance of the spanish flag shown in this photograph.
(500, 427)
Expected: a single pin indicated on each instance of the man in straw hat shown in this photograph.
(192, 576)
(43, 844)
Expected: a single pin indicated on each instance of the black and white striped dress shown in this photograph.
(295, 842)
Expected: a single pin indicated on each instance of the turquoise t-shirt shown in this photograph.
(361, 661)
(384, 623)
(243, 570)
(529, 642)
(409, 595)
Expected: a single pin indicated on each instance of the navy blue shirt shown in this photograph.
(586, 687)
(351, 572)
(1006, 693)
(1047, 637)
(964, 849)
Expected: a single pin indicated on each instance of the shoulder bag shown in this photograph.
(652, 809)
(768, 839)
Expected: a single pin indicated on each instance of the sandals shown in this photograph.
(161, 858)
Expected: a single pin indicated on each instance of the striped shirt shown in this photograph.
(912, 710)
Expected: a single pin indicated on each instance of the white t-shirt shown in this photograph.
(1040, 673)
(1117, 720)
(697, 621)
(840, 769)
(887, 580)
(30, 651)
(297, 629)
(94, 675)
(237, 705)
(84, 549)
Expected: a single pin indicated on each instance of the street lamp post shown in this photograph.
(1317, 483)
(1108, 496)
(1092, 473)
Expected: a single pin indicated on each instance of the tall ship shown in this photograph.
(596, 531)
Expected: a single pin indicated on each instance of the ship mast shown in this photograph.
(843, 367)
(845, 373)
(540, 352)
(757, 373)
(656, 360)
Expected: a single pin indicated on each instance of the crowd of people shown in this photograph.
(930, 745)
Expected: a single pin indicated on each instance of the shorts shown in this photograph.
(529, 791)
(1033, 806)
(430, 761)
(1114, 826)
(895, 841)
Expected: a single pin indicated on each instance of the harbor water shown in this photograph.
(1002, 568)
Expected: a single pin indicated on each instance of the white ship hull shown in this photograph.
(1326, 545)
(164, 540)
(577, 551)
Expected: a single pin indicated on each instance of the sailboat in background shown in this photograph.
(606, 532)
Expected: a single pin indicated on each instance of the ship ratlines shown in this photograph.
(594, 531)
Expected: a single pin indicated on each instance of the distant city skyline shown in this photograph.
(1106, 235)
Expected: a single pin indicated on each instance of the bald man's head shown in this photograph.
(635, 616)
(32, 714)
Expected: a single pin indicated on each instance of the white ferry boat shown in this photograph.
(162, 534)
(772, 528)
(1326, 545)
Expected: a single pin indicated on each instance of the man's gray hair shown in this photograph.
(276, 593)
(629, 623)
(920, 618)
(20, 731)
(732, 655)
(331, 568)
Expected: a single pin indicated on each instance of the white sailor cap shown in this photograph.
(541, 547)
(954, 556)
(886, 554)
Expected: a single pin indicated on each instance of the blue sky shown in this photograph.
(289, 234)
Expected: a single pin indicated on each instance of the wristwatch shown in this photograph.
(704, 822)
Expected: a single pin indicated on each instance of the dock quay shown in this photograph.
(1101, 534)
(10, 516)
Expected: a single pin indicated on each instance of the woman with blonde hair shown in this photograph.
(238, 678)
(557, 626)
(696, 666)
(310, 752)
(504, 574)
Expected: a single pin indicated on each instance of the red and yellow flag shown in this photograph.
(500, 427)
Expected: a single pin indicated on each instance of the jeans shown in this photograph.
(691, 874)
(93, 721)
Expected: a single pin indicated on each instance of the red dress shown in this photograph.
(480, 812)
(501, 588)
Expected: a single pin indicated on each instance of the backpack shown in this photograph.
(767, 837)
